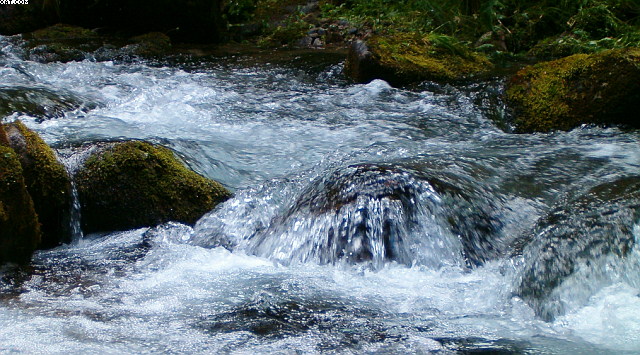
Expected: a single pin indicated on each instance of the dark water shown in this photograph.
(366, 219)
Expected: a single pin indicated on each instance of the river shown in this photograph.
(258, 273)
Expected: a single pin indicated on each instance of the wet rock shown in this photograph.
(133, 184)
(601, 89)
(47, 182)
(375, 213)
(38, 102)
(407, 58)
(575, 236)
(61, 43)
(19, 227)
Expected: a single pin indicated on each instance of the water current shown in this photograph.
(365, 218)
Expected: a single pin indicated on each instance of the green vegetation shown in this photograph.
(521, 24)
(135, 184)
(541, 28)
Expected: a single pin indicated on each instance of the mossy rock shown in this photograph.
(150, 44)
(134, 184)
(602, 88)
(407, 58)
(48, 183)
(59, 32)
(61, 43)
(19, 227)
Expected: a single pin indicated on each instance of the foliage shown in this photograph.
(610, 23)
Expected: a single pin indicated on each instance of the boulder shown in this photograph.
(61, 43)
(48, 183)
(38, 102)
(134, 184)
(19, 227)
(406, 58)
(372, 213)
(150, 44)
(602, 88)
(572, 238)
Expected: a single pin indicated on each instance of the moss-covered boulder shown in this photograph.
(150, 44)
(407, 58)
(19, 227)
(48, 183)
(61, 43)
(133, 184)
(602, 88)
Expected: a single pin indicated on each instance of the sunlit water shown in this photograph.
(252, 275)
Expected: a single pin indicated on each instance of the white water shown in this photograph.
(269, 132)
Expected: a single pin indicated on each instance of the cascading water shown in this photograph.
(365, 219)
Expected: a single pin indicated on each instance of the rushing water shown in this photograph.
(365, 219)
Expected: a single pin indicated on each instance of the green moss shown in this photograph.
(601, 88)
(47, 182)
(19, 228)
(151, 44)
(134, 184)
(406, 57)
(61, 32)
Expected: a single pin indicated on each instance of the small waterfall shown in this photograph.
(76, 215)
(73, 159)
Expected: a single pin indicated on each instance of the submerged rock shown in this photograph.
(19, 227)
(133, 184)
(48, 183)
(405, 58)
(375, 214)
(601, 88)
(37, 102)
(574, 237)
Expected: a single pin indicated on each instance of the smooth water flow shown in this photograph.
(366, 219)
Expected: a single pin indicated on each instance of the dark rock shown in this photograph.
(576, 235)
(61, 43)
(133, 184)
(37, 102)
(601, 88)
(55, 53)
(47, 182)
(376, 213)
(19, 227)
